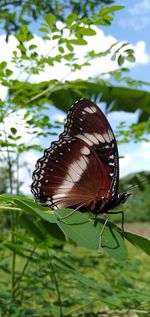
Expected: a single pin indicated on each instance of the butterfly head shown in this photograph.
(106, 204)
(119, 198)
(122, 197)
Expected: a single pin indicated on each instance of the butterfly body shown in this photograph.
(81, 169)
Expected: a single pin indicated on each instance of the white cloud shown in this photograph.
(99, 42)
(16, 120)
(136, 157)
(138, 16)
(141, 7)
(58, 117)
(145, 150)
(140, 53)
(126, 165)
(25, 173)
(59, 71)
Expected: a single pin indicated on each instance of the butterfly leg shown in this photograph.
(69, 214)
(101, 234)
(122, 217)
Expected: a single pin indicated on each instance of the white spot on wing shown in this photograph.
(111, 137)
(85, 150)
(99, 137)
(111, 163)
(91, 137)
(90, 109)
(82, 137)
(106, 137)
(57, 196)
(73, 175)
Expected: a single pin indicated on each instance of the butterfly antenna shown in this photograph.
(139, 185)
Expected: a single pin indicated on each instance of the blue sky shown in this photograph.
(133, 24)
(130, 24)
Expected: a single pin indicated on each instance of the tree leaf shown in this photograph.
(78, 41)
(121, 60)
(50, 19)
(86, 232)
(71, 18)
(54, 230)
(29, 224)
(13, 130)
(131, 58)
(44, 30)
(138, 241)
(34, 209)
(85, 31)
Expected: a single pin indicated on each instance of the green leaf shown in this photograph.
(34, 209)
(121, 60)
(86, 232)
(9, 72)
(44, 30)
(71, 18)
(105, 11)
(78, 41)
(13, 130)
(54, 230)
(24, 29)
(32, 47)
(55, 37)
(3, 65)
(61, 49)
(46, 37)
(85, 31)
(131, 58)
(113, 58)
(50, 19)
(138, 241)
(115, 8)
(31, 227)
(70, 47)
(129, 51)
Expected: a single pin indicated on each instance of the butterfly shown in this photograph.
(81, 169)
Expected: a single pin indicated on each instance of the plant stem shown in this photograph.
(17, 167)
(56, 282)
(18, 280)
(13, 275)
(13, 218)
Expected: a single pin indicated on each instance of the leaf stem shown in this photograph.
(55, 281)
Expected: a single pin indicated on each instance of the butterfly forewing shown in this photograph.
(81, 168)
(87, 122)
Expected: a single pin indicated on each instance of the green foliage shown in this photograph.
(137, 207)
(61, 265)
(81, 228)
(38, 250)
(14, 14)
(89, 283)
